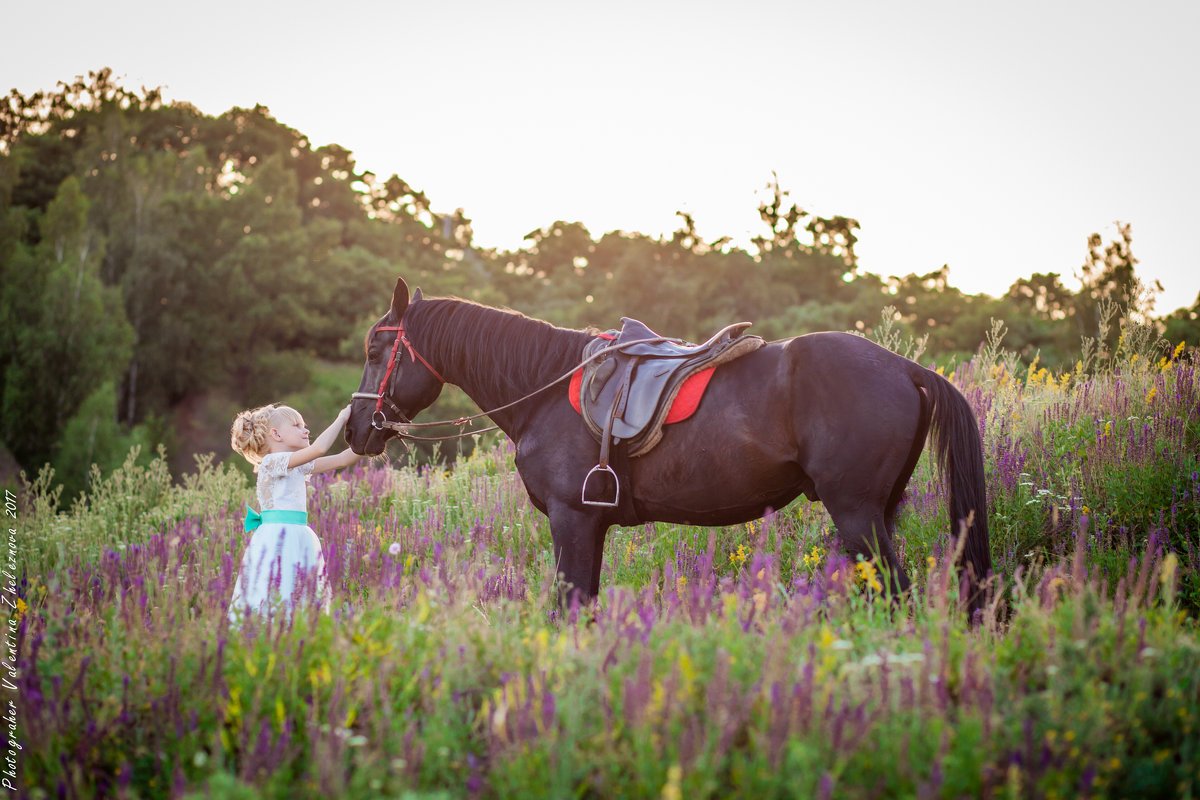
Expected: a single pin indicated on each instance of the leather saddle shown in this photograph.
(626, 394)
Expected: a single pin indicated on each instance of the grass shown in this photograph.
(748, 661)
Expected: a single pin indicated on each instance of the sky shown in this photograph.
(990, 137)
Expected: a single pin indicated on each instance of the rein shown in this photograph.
(401, 428)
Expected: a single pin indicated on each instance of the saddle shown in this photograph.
(626, 394)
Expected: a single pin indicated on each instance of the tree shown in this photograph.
(1108, 276)
(70, 333)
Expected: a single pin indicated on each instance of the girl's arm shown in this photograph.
(321, 446)
(343, 459)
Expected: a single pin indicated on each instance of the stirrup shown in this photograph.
(616, 482)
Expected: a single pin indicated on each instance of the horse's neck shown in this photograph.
(485, 366)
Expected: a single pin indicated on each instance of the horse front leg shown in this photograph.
(578, 536)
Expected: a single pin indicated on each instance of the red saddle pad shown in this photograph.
(686, 402)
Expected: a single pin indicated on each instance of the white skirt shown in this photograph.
(282, 569)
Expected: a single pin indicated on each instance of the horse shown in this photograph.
(831, 416)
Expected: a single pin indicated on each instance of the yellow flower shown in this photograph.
(868, 575)
(739, 558)
(21, 608)
(672, 789)
(826, 638)
(1178, 350)
(1151, 394)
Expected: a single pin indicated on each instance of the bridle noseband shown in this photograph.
(379, 419)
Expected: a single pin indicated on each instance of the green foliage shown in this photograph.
(93, 440)
(67, 334)
(126, 507)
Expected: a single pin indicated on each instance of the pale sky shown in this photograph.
(990, 137)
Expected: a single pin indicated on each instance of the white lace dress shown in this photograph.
(283, 566)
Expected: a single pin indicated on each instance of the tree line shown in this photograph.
(150, 252)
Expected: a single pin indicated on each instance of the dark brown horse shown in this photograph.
(832, 416)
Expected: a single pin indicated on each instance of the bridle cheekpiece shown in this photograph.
(379, 419)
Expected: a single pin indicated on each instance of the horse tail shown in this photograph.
(960, 458)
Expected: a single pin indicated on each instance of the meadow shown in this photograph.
(750, 661)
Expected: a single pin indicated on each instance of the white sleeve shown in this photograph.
(274, 465)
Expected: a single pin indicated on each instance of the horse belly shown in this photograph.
(715, 486)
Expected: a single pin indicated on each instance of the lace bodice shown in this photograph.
(280, 488)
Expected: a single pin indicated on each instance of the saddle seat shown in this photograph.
(626, 395)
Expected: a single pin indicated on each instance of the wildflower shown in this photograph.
(739, 558)
(827, 638)
(1152, 394)
(868, 575)
(673, 790)
(814, 556)
(21, 608)
(394, 548)
(1178, 351)
(1169, 564)
(1107, 429)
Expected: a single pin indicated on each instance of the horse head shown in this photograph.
(397, 383)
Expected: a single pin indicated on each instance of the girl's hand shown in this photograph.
(344, 414)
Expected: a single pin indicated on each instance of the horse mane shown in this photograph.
(492, 347)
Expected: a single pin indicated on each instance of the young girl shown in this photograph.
(283, 561)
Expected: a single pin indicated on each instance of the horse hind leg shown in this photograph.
(902, 478)
(864, 532)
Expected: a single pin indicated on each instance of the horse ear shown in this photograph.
(417, 295)
(400, 299)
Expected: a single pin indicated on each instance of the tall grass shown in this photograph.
(746, 661)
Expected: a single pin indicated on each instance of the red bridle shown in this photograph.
(401, 338)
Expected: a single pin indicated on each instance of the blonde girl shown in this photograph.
(283, 563)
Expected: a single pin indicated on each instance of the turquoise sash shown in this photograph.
(254, 518)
